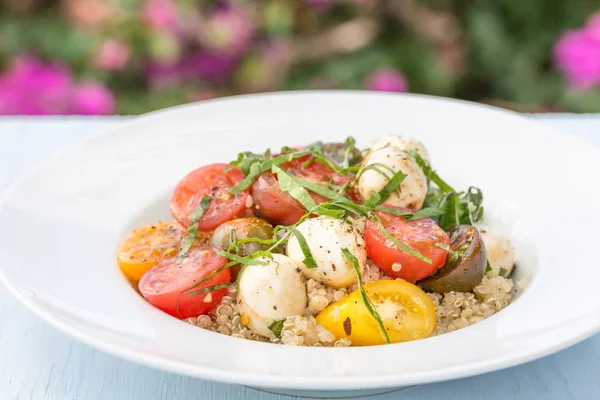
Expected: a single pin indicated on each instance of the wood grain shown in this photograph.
(38, 362)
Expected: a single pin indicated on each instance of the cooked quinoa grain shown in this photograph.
(454, 311)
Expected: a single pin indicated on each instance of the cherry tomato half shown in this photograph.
(406, 311)
(421, 235)
(277, 206)
(145, 247)
(216, 181)
(166, 285)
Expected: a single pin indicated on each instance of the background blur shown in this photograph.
(132, 56)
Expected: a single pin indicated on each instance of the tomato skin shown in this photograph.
(277, 206)
(215, 181)
(421, 235)
(406, 311)
(145, 247)
(164, 286)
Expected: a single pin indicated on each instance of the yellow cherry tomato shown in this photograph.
(406, 311)
(145, 247)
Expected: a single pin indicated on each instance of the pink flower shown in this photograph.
(160, 13)
(31, 87)
(111, 55)
(577, 55)
(593, 27)
(92, 98)
(386, 80)
(200, 65)
(227, 30)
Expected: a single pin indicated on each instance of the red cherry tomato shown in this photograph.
(164, 285)
(277, 206)
(421, 235)
(216, 181)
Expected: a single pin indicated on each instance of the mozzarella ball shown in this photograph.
(500, 253)
(404, 143)
(326, 237)
(412, 190)
(271, 292)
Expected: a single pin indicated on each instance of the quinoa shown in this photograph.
(454, 310)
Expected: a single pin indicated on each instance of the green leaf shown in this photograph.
(276, 327)
(411, 216)
(430, 174)
(309, 260)
(287, 183)
(208, 290)
(390, 187)
(451, 218)
(363, 294)
(193, 227)
(488, 267)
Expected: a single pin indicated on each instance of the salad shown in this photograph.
(323, 245)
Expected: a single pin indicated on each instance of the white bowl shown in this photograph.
(60, 224)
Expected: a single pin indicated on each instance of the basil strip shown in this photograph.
(309, 261)
(211, 275)
(210, 289)
(411, 216)
(276, 327)
(192, 231)
(430, 174)
(390, 187)
(262, 164)
(451, 217)
(401, 245)
(288, 184)
(363, 294)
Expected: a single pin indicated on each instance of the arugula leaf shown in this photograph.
(401, 245)
(363, 294)
(309, 260)
(192, 231)
(298, 192)
(276, 327)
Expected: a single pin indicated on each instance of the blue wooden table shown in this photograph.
(38, 362)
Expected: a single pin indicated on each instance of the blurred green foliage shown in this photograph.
(492, 51)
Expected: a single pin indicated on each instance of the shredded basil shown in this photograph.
(502, 272)
(276, 327)
(450, 219)
(192, 231)
(400, 245)
(309, 261)
(390, 187)
(488, 267)
(297, 191)
(411, 216)
(430, 174)
(363, 294)
(209, 289)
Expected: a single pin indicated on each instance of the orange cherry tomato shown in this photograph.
(145, 247)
